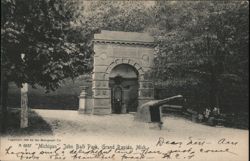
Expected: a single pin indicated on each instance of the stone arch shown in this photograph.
(124, 61)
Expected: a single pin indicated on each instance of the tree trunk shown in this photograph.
(24, 106)
(4, 97)
(214, 93)
(217, 99)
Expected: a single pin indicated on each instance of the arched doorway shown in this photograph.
(123, 82)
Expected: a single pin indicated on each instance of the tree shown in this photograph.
(204, 45)
(117, 16)
(46, 31)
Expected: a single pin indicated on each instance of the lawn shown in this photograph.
(37, 125)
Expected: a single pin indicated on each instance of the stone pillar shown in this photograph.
(101, 95)
(83, 100)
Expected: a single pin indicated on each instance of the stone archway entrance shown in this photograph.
(123, 82)
(120, 80)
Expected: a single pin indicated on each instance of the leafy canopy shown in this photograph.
(47, 33)
(203, 47)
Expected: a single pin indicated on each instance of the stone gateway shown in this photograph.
(120, 81)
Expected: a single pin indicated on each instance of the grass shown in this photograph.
(37, 125)
(63, 102)
(64, 98)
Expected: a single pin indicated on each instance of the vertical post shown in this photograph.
(24, 103)
(82, 100)
(24, 106)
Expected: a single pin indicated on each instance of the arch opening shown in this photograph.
(123, 82)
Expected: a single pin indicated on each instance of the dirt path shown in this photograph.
(71, 128)
(70, 122)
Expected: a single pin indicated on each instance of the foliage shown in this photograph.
(206, 42)
(46, 32)
(202, 46)
(117, 16)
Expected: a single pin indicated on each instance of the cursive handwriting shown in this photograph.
(161, 141)
(22, 155)
(227, 142)
(163, 148)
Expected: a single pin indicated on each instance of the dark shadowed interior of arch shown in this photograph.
(123, 81)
